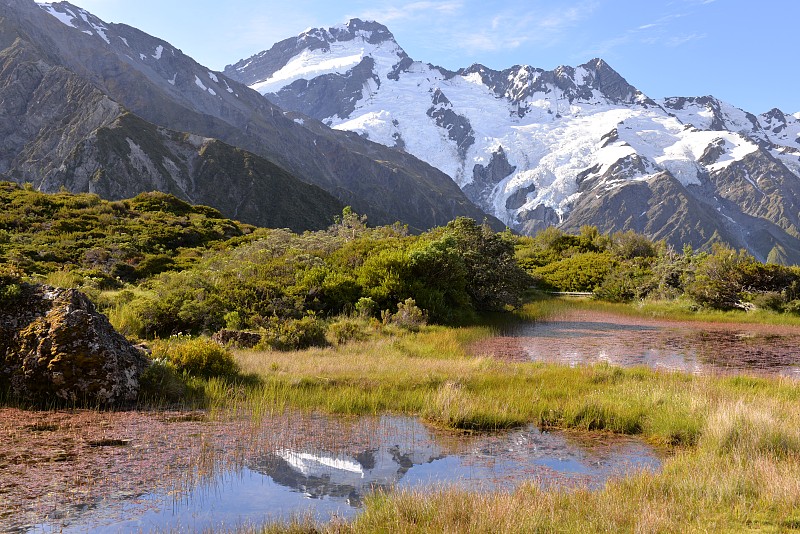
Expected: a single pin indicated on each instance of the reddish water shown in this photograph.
(587, 337)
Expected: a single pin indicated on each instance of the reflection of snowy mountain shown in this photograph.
(314, 465)
(406, 454)
(320, 474)
(572, 146)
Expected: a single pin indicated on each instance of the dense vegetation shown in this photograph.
(160, 267)
(626, 266)
(104, 244)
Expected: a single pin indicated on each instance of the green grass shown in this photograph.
(686, 310)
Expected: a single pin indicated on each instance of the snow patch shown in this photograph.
(213, 77)
(66, 18)
(125, 41)
(159, 51)
(340, 58)
(101, 31)
(199, 83)
(736, 148)
(301, 122)
(174, 77)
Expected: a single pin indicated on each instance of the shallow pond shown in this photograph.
(585, 337)
(78, 471)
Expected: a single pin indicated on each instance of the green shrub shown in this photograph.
(196, 356)
(233, 321)
(345, 330)
(161, 381)
(125, 319)
(768, 300)
(294, 334)
(366, 307)
(628, 280)
(793, 306)
(493, 278)
(10, 284)
(409, 316)
(581, 272)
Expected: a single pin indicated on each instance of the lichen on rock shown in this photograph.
(55, 346)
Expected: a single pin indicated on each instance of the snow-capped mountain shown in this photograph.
(569, 147)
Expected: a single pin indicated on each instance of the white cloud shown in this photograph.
(510, 29)
(680, 40)
(392, 13)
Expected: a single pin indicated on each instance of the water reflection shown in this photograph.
(329, 471)
(702, 348)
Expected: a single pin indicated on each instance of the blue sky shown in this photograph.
(742, 51)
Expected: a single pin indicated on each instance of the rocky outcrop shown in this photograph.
(55, 347)
(237, 338)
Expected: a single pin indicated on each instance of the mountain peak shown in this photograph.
(367, 30)
(373, 32)
(265, 64)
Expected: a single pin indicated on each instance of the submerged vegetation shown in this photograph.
(358, 320)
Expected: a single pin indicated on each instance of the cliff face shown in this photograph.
(56, 347)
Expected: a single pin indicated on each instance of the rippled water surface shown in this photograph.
(130, 472)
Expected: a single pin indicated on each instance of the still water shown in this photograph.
(579, 337)
(220, 474)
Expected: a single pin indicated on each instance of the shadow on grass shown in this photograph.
(164, 388)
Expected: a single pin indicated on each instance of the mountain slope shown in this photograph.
(59, 130)
(538, 147)
(155, 81)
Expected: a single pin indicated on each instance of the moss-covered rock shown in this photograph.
(56, 347)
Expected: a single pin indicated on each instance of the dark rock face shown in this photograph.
(485, 178)
(458, 127)
(719, 121)
(55, 346)
(539, 218)
(521, 82)
(237, 338)
(132, 156)
(329, 95)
